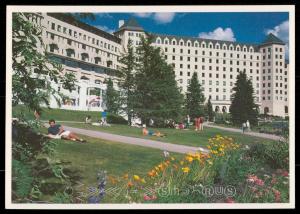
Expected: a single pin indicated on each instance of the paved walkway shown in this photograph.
(137, 141)
(254, 134)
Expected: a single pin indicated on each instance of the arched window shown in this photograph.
(251, 49)
(217, 109)
(166, 41)
(224, 109)
(217, 46)
(237, 48)
(174, 42)
(158, 40)
(231, 47)
(245, 49)
(210, 45)
(189, 44)
(224, 47)
(266, 110)
(181, 43)
(203, 45)
(196, 44)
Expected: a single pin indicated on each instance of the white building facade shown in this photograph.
(92, 55)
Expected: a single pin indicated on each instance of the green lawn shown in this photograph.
(116, 158)
(185, 137)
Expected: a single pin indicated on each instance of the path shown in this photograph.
(254, 134)
(137, 141)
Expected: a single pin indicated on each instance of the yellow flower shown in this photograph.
(143, 180)
(136, 177)
(172, 158)
(185, 169)
(181, 162)
(189, 159)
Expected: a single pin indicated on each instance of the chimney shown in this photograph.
(121, 23)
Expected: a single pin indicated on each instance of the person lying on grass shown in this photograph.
(152, 133)
(56, 131)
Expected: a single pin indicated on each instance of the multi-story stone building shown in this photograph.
(92, 55)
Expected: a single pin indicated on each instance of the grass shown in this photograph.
(185, 137)
(116, 158)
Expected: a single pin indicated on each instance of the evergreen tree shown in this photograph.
(157, 95)
(127, 83)
(194, 98)
(242, 106)
(210, 111)
(112, 98)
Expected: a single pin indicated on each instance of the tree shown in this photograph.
(242, 106)
(33, 70)
(112, 98)
(210, 111)
(194, 98)
(127, 83)
(157, 95)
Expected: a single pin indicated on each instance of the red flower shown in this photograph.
(277, 195)
(259, 182)
(229, 200)
(285, 173)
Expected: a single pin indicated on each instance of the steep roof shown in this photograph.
(131, 24)
(193, 39)
(272, 39)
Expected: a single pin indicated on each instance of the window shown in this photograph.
(53, 26)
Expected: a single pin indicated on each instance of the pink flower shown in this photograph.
(259, 182)
(273, 181)
(251, 178)
(277, 195)
(147, 198)
(229, 200)
(285, 173)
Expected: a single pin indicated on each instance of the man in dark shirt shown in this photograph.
(56, 131)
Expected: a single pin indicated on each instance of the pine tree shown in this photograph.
(127, 83)
(194, 98)
(157, 95)
(210, 112)
(112, 98)
(242, 106)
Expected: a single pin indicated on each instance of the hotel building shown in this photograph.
(93, 56)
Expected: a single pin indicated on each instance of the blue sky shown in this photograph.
(242, 27)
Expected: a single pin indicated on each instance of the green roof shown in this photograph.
(131, 24)
(272, 39)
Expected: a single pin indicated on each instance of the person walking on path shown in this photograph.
(244, 127)
(201, 123)
(197, 123)
(188, 120)
(103, 117)
(248, 126)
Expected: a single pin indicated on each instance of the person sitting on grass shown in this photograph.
(88, 119)
(152, 133)
(56, 131)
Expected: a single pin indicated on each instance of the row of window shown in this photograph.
(81, 45)
(80, 36)
(205, 45)
(269, 98)
(210, 53)
(268, 50)
(216, 61)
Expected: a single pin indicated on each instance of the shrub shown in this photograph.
(115, 119)
(222, 118)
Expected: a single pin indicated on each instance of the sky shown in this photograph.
(245, 27)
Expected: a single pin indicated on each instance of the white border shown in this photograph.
(111, 9)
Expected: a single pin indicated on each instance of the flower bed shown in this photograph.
(229, 173)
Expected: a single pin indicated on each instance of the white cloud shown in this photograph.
(105, 28)
(160, 18)
(282, 32)
(163, 18)
(143, 15)
(219, 34)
